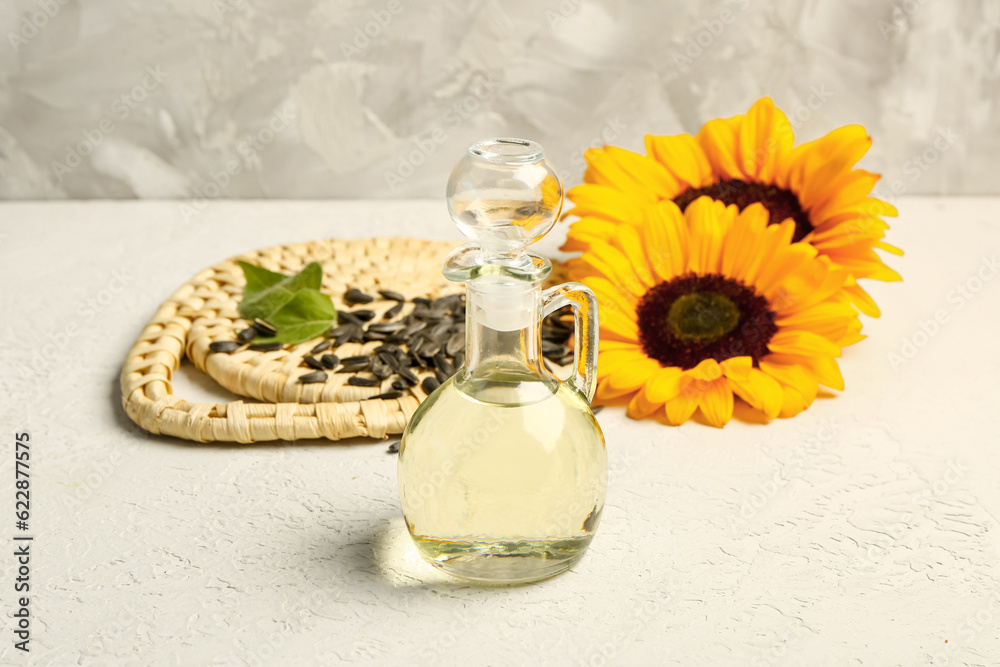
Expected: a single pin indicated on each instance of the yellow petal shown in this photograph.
(737, 367)
(765, 140)
(792, 375)
(685, 159)
(761, 391)
(792, 403)
(628, 240)
(634, 376)
(605, 202)
(706, 371)
(640, 408)
(666, 239)
(680, 409)
(718, 138)
(664, 385)
(804, 343)
(716, 403)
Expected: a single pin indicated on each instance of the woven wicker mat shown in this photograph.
(206, 309)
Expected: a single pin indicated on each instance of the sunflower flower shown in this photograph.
(712, 303)
(745, 160)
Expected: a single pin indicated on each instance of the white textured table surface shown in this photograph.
(862, 532)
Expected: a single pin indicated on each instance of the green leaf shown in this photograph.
(268, 292)
(258, 278)
(307, 315)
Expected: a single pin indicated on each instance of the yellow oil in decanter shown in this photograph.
(503, 479)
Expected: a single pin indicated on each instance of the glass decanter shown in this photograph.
(503, 469)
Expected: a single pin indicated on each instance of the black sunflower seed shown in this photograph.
(392, 312)
(311, 378)
(389, 360)
(417, 360)
(399, 385)
(429, 385)
(386, 327)
(443, 364)
(393, 447)
(419, 300)
(358, 381)
(413, 328)
(264, 329)
(329, 361)
(266, 347)
(458, 360)
(389, 395)
(375, 335)
(349, 317)
(364, 315)
(354, 295)
(225, 346)
(440, 375)
(313, 362)
(381, 370)
(408, 376)
(415, 347)
(356, 358)
(247, 335)
(388, 348)
(429, 349)
(390, 295)
(440, 331)
(455, 344)
(353, 368)
(321, 347)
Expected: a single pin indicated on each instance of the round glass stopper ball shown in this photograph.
(504, 196)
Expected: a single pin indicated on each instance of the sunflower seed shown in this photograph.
(380, 369)
(264, 329)
(388, 395)
(353, 368)
(390, 295)
(247, 335)
(441, 376)
(388, 348)
(358, 381)
(419, 300)
(321, 347)
(352, 332)
(266, 347)
(415, 347)
(389, 360)
(408, 376)
(455, 344)
(386, 327)
(413, 328)
(443, 364)
(329, 361)
(364, 315)
(429, 349)
(393, 447)
(348, 317)
(392, 312)
(399, 385)
(458, 360)
(440, 331)
(313, 362)
(429, 385)
(311, 378)
(226, 346)
(356, 358)
(417, 360)
(354, 295)
(374, 335)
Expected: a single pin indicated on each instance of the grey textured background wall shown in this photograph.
(378, 98)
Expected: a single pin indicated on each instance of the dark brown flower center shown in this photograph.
(691, 318)
(780, 203)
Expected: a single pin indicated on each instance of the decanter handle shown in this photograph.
(584, 377)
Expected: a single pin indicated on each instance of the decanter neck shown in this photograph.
(502, 327)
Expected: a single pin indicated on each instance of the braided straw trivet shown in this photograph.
(206, 309)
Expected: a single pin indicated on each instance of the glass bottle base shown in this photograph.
(502, 562)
